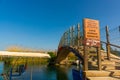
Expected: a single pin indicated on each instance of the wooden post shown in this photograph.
(67, 37)
(108, 43)
(85, 58)
(99, 58)
(85, 51)
(70, 36)
(78, 35)
(62, 40)
(73, 44)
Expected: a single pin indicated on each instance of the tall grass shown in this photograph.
(22, 49)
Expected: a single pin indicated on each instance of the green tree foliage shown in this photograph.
(71, 56)
(53, 57)
(52, 54)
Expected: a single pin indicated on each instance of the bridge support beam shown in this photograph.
(85, 59)
(108, 43)
(99, 58)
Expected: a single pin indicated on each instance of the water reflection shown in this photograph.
(1, 69)
(61, 73)
(44, 72)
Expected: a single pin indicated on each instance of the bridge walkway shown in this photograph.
(110, 69)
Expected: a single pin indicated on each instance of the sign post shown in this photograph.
(91, 38)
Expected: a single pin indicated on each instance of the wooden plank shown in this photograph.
(105, 73)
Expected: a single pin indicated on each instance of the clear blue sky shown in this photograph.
(41, 23)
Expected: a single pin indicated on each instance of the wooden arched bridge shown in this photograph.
(94, 47)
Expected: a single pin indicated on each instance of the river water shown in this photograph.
(44, 72)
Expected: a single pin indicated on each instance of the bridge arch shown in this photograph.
(65, 50)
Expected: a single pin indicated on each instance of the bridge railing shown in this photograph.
(110, 36)
(110, 39)
(72, 37)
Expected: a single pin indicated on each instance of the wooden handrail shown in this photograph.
(110, 44)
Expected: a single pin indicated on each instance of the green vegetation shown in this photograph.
(22, 60)
(29, 60)
(71, 56)
(14, 62)
(53, 56)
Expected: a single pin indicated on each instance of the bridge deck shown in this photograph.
(103, 78)
(24, 54)
(106, 74)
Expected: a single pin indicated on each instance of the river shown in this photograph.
(44, 72)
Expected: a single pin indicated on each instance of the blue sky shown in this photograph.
(40, 23)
